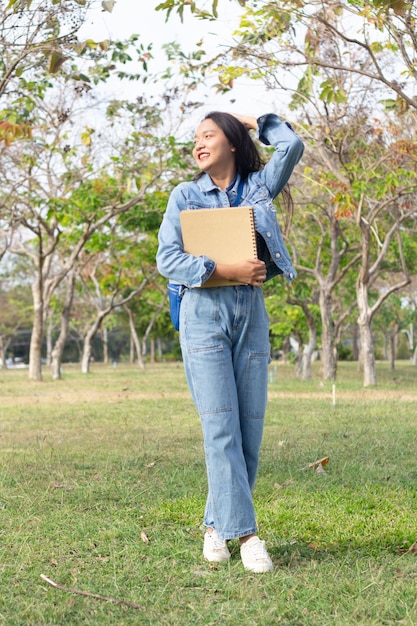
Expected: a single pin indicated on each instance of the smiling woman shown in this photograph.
(224, 331)
(213, 153)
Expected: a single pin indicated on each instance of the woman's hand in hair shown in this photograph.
(247, 120)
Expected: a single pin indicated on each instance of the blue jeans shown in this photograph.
(224, 334)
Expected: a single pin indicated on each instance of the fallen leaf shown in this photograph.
(144, 537)
(321, 462)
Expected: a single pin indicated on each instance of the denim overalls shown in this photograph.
(224, 331)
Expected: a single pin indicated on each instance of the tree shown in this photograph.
(312, 52)
(58, 349)
(323, 252)
(39, 48)
(37, 39)
(377, 43)
(59, 229)
(115, 271)
(15, 314)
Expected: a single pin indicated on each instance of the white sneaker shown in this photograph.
(215, 549)
(255, 557)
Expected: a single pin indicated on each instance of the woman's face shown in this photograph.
(212, 151)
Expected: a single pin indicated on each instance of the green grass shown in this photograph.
(90, 462)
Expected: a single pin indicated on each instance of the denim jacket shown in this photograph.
(259, 189)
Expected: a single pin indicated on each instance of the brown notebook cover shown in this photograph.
(226, 235)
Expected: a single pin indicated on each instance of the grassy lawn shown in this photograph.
(102, 490)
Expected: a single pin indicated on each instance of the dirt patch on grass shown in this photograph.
(96, 396)
(100, 397)
(362, 395)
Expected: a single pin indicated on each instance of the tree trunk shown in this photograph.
(148, 333)
(134, 338)
(131, 350)
(309, 348)
(299, 355)
(88, 340)
(365, 332)
(2, 353)
(105, 342)
(355, 347)
(391, 352)
(58, 349)
(49, 330)
(409, 332)
(385, 347)
(35, 350)
(308, 352)
(86, 355)
(285, 350)
(328, 355)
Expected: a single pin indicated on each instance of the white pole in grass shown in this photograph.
(334, 395)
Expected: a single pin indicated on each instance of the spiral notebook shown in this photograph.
(226, 235)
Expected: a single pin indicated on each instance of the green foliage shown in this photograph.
(304, 88)
(146, 216)
(15, 306)
(288, 320)
(91, 196)
(330, 92)
(344, 353)
(259, 26)
(45, 47)
(26, 4)
(382, 8)
(180, 5)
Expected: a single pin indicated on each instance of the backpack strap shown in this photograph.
(239, 193)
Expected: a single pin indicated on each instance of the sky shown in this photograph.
(140, 17)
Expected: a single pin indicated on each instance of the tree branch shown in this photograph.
(87, 594)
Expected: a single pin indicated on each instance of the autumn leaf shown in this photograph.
(56, 60)
(86, 136)
(9, 132)
(321, 462)
(319, 465)
(108, 5)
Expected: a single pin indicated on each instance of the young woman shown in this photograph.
(224, 331)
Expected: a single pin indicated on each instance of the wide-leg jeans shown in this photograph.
(224, 335)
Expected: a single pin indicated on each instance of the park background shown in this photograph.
(102, 467)
(96, 133)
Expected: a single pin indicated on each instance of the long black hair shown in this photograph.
(247, 156)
